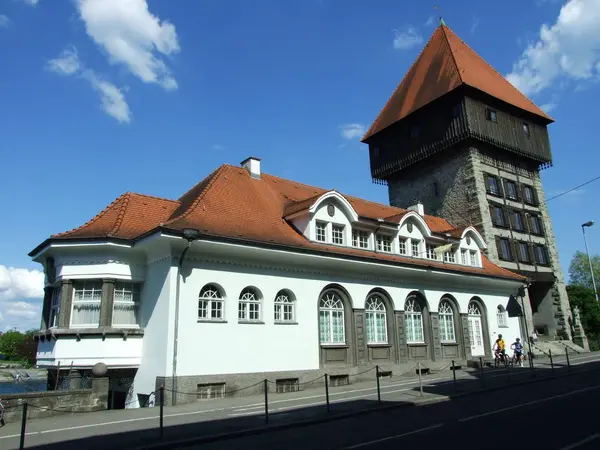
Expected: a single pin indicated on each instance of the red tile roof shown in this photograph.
(230, 203)
(446, 63)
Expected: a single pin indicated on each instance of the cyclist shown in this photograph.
(499, 350)
(2, 423)
(518, 349)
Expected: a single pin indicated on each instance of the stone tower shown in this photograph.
(458, 137)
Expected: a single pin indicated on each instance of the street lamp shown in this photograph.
(583, 227)
(190, 235)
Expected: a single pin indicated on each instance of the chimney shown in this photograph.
(418, 208)
(252, 165)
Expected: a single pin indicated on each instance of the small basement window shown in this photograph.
(491, 114)
(339, 380)
(283, 385)
(207, 391)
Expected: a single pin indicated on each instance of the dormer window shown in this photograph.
(321, 231)
(473, 259)
(415, 247)
(384, 243)
(449, 257)
(402, 246)
(464, 257)
(431, 251)
(337, 234)
(360, 239)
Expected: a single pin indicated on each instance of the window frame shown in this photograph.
(375, 310)
(514, 215)
(335, 230)
(136, 294)
(491, 114)
(496, 183)
(501, 255)
(520, 256)
(415, 244)
(535, 218)
(383, 247)
(211, 302)
(280, 305)
(495, 210)
(507, 191)
(526, 130)
(446, 322)
(402, 248)
(533, 201)
(245, 300)
(413, 310)
(544, 250)
(320, 226)
(357, 236)
(84, 283)
(331, 313)
(55, 303)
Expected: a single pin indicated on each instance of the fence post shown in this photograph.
(161, 395)
(481, 370)
(420, 379)
(568, 362)
(378, 388)
(266, 388)
(453, 374)
(551, 362)
(327, 391)
(23, 427)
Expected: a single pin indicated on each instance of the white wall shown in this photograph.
(113, 351)
(212, 348)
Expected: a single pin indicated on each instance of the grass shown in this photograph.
(23, 363)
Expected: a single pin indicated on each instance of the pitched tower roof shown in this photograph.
(446, 63)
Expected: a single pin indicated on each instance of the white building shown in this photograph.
(277, 279)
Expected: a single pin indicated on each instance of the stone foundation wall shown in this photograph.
(50, 403)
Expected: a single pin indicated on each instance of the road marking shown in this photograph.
(534, 402)
(397, 436)
(582, 442)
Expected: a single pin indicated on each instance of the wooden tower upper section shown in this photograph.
(450, 95)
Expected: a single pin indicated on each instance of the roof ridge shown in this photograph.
(213, 176)
(154, 197)
(490, 66)
(443, 27)
(368, 133)
(122, 211)
(93, 219)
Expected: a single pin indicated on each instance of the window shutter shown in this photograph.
(506, 218)
(535, 196)
(547, 253)
(500, 186)
(499, 247)
(504, 188)
(486, 180)
(518, 192)
(513, 249)
(531, 252)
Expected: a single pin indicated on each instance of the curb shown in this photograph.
(330, 418)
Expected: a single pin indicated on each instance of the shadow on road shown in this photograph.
(390, 392)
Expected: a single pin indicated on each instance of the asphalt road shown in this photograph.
(557, 414)
(132, 428)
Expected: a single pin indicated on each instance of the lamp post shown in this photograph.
(189, 234)
(583, 227)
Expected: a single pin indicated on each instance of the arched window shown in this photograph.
(210, 303)
(446, 321)
(502, 317)
(331, 319)
(284, 307)
(376, 320)
(413, 314)
(249, 305)
(474, 309)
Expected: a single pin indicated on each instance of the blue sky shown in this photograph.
(99, 97)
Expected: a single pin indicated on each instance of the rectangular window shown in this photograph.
(541, 257)
(415, 130)
(87, 296)
(430, 251)
(536, 224)
(493, 187)
(54, 307)
(321, 231)
(523, 249)
(384, 243)
(517, 221)
(415, 247)
(528, 195)
(511, 190)
(126, 305)
(449, 257)
(497, 215)
(473, 260)
(463, 257)
(402, 246)
(526, 129)
(360, 239)
(491, 114)
(456, 110)
(337, 234)
(504, 251)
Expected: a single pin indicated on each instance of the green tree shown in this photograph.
(589, 310)
(10, 343)
(579, 270)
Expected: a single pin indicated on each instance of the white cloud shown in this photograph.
(548, 107)
(352, 131)
(20, 283)
(132, 36)
(21, 310)
(31, 2)
(567, 50)
(4, 21)
(407, 38)
(430, 21)
(112, 98)
(474, 24)
(66, 64)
